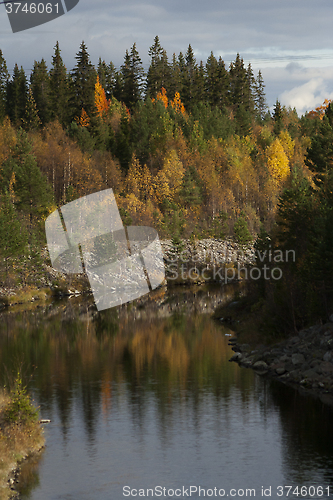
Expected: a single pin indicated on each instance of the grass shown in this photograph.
(20, 433)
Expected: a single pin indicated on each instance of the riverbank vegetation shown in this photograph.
(189, 148)
(20, 433)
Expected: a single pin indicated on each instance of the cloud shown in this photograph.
(307, 96)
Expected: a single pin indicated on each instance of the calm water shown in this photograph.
(143, 396)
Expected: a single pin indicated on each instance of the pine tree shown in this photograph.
(259, 97)
(133, 75)
(238, 83)
(4, 77)
(158, 72)
(12, 235)
(58, 89)
(33, 195)
(17, 96)
(277, 117)
(40, 87)
(31, 120)
(84, 79)
(188, 76)
(106, 74)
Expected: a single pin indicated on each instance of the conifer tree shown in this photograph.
(33, 195)
(158, 72)
(238, 83)
(12, 235)
(132, 76)
(106, 74)
(58, 89)
(277, 117)
(259, 97)
(188, 77)
(31, 120)
(83, 79)
(4, 77)
(40, 87)
(17, 96)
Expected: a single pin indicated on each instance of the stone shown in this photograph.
(310, 374)
(280, 371)
(326, 367)
(331, 318)
(297, 359)
(236, 357)
(328, 356)
(260, 365)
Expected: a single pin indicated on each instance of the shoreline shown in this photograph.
(303, 361)
(192, 262)
(21, 437)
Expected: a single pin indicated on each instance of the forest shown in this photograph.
(189, 148)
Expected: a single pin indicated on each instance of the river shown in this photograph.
(144, 403)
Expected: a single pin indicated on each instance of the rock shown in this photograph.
(244, 348)
(284, 358)
(311, 374)
(236, 357)
(331, 318)
(260, 365)
(326, 367)
(246, 363)
(328, 356)
(297, 359)
(280, 371)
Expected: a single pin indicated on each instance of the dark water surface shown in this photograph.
(143, 396)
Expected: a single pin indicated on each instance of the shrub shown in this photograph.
(20, 409)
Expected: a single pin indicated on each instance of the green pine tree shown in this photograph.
(13, 238)
(17, 96)
(58, 89)
(132, 78)
(40, 87)
(4, 77)
(83, 83)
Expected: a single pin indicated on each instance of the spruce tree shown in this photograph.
(58, 88)
(31, 120)
(17, 96)
(188, 75)
(83, 79)
(107, 77)
(259, 97)
(33, 196)
(12, 235)
(132, 76)
(158, 71)
(4, 77)
(238, 83)
(40, 87)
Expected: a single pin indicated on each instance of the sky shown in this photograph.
(291, 42)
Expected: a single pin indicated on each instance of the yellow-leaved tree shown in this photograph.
(168, 180)
(101, 102)
(277, 162)
(287, 143)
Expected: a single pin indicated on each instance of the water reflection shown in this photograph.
(144, 394)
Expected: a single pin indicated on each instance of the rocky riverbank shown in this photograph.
(304, 360)
(199, 261)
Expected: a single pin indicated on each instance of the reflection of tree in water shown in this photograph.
(93, 357)
(307, 447)
(29, 475)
